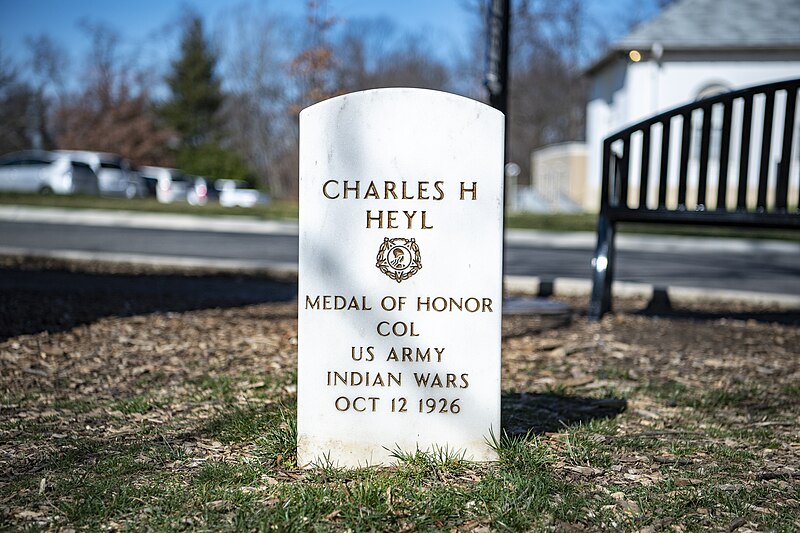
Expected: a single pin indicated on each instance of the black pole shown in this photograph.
(496, 80)
(497, 58)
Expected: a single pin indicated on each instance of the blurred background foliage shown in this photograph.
(227, 104)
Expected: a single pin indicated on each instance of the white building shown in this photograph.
(558, 176)
(693, 49)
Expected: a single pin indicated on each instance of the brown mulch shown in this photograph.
(684, 376)
(118, 357)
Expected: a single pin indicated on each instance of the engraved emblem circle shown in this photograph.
(399, 258)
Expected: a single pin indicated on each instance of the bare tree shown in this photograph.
(254, 114)
(371, 53)
(547, 92)
(360, 48)
(125, 123)
(323, 58)
(16, 102)
(313, 67)
(112, 113)
(48, 64)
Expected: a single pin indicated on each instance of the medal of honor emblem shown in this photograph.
(399, 258)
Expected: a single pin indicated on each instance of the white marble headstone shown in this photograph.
(401, 209)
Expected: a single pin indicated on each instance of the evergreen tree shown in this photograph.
(192, 110)
(196, 94)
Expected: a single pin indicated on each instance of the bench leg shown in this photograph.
(603, 269)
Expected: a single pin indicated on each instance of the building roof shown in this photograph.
(716, 25)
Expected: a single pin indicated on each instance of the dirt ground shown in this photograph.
(79, 348)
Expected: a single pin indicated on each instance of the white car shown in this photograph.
(200, 193)
(236, 193)
(166, 184)
(115, 173)
(40, 171)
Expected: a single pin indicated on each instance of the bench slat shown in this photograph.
(644, 173)
(766, 149)
(702, 179)
(605, 186)
(782, 184)
(744, 152)
(724, 154)
(662, 184)
(683, 177)
(624, 168)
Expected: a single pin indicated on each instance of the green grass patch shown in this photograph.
(138, 404)
(553, 222)
(73, 405)
(558, 222)
(278, 445)
(217, 387)
(32, 428)
(138, 487)
(735, 396)
(236, 423)
(278, 209)
(792, 392)
(225, 460)
(226, 388)
(215, 474)
(709, 231)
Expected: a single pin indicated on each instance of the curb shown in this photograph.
(274, 270)
(522, 285)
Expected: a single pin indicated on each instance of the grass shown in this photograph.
(238, 470)
(210, 444)
(559, 222)
(139, 404)
(747, 396)
(273, 210)
(556, 222)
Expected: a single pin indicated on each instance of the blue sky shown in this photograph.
(148, 28)
(139, 20)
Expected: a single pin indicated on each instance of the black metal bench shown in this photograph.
(731, 135)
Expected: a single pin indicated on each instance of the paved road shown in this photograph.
(764, 272)
(678, 263)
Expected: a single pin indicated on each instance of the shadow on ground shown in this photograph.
(543, 413)
(34, 300)
(789, 318)
(661, 306)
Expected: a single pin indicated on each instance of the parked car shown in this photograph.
(200, 192)
(166, 184)
(40, 171)
(236, 193)
(116, 174)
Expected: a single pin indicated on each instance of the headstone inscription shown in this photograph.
(401, 206)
